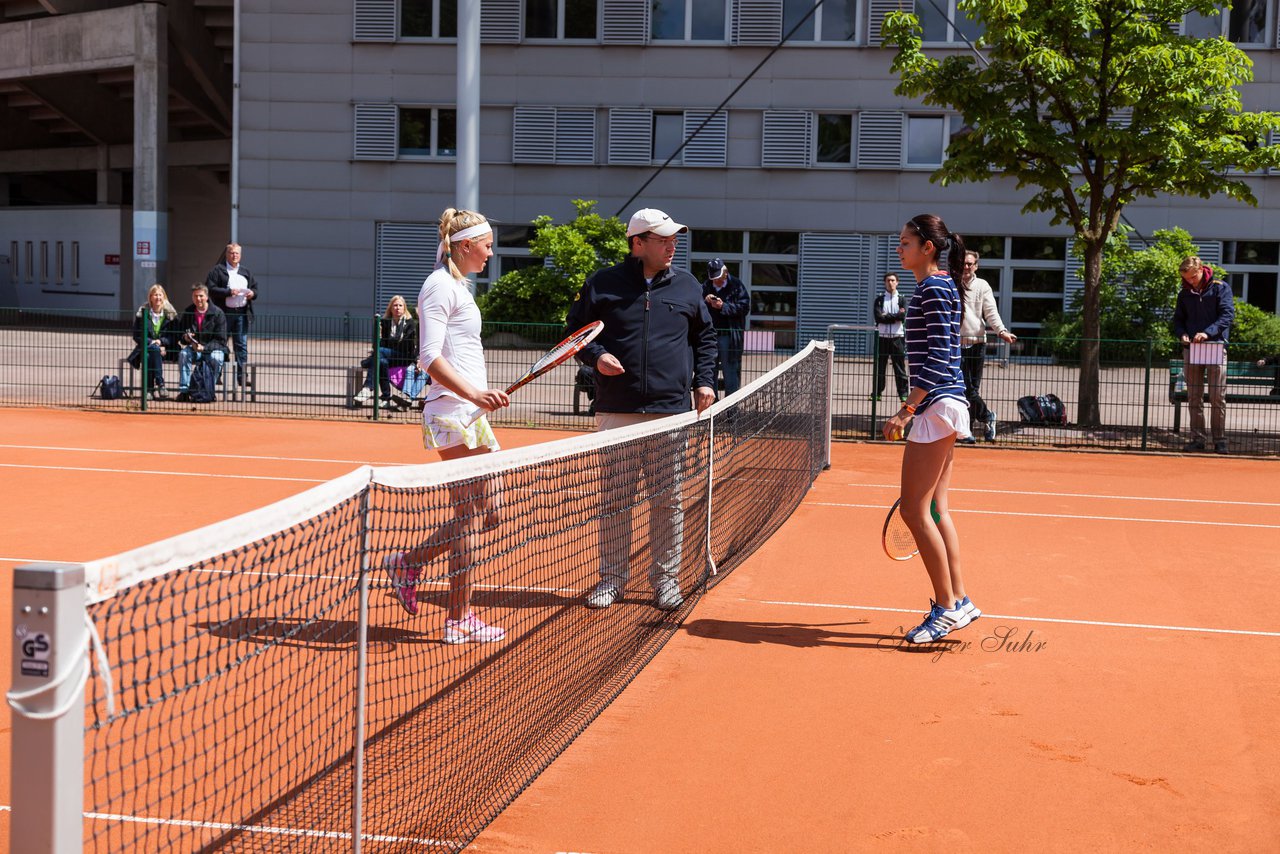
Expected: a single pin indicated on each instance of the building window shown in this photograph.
(560, 19)
(429, 19)
(939, 27)
(925, 145)
(1244, 23)
(428, 132)
(834, 21)
(1252, 270)
(668, 133)
(687, 20)
(768, 263)
(835, 139)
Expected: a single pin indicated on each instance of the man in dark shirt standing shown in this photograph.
(658, 346)
(233, 289)
(728, 300)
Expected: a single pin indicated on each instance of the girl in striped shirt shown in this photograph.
(938, 415)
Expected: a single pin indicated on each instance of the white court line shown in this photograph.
(985, 614)
(257, 828)
(1196, 501)
(197, 455)
(1064, 516)
(170, 473)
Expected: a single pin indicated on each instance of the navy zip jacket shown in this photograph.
(1210, 311)
(660, 332)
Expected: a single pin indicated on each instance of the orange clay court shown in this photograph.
(1120, 692)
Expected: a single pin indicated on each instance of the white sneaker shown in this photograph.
(604, 595)
(937, 624)
(970, 612)
(363, 395)
(667, 595)
(471, 629)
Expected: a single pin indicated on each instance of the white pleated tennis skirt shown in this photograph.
(442, 426)
(945, 416)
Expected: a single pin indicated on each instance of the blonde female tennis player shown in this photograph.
(450, 350)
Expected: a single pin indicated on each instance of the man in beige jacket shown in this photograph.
(980, 314)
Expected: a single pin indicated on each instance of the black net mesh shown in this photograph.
(265, 695)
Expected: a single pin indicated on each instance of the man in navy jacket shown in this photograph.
(1203, 312)
(658, 346)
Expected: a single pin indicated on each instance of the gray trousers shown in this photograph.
(629, 470)
(1197, 377)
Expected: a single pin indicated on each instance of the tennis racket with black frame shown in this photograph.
(557, 355)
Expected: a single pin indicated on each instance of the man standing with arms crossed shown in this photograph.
(658, 346)
(980, 313)
(889, 311)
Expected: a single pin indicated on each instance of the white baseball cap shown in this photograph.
(653, 220)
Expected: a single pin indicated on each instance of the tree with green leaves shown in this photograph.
(1091, 104)
(1136, 294)
(575, 250)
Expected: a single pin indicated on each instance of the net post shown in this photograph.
(50, 667)
(362, 672)
(831, 373)
(711, 472)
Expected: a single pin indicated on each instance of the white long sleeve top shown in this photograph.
(449, 326)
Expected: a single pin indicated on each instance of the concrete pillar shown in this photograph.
(150, 250)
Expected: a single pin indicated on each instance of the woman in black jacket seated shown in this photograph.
(397, 347)
(156, 321)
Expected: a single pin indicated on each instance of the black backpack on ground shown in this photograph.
(109, 388)
(1045, 409)
(204, 385)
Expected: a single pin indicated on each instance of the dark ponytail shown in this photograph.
(950, 248)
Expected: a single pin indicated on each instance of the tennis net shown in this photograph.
(263, 690)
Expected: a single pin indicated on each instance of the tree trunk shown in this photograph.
(1090, 347)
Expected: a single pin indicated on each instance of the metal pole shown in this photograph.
(1146, 396)
(146, 361)
(467, 188)
(375, 375)
(235, 122)
(50, 669)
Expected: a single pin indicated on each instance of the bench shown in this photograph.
(1246, 383)
(353, 378)
(131, 377)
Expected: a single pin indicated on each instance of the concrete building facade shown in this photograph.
(347, 127)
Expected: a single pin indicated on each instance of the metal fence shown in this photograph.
(309, 367)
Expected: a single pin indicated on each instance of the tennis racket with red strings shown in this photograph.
(557, 355)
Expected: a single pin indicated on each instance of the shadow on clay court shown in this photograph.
(805, 635)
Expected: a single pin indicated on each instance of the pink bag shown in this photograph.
(396, 375)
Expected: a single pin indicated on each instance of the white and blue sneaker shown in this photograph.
(937, 624)
(969, 610)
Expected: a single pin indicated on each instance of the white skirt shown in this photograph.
(442, 425)
(945, 416)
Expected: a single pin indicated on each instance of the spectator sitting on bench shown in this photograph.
(397, 347)
(1274, 360)
(204, 337)
(157, 317)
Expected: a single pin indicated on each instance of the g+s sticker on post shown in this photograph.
(36, 648)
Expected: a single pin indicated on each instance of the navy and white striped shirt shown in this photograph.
(933, 339)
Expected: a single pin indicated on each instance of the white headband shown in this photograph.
(462, 234)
